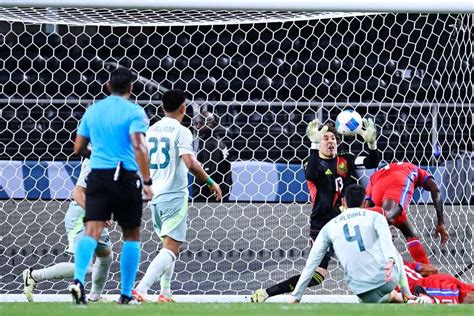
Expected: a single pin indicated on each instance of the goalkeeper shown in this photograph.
(327, 173)
(75, 228)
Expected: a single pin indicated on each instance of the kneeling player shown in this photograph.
(75, 229)
(363, 244)
(392, 188)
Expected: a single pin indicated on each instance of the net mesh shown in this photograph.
(264, 75)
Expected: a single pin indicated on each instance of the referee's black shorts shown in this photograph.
(122, 198)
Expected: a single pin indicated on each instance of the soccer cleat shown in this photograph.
(29, 284)
(141, 298)
(78, 293)
(98, 299)
(165, 299)
(127, 300)
(259, 296)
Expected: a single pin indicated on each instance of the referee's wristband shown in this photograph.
(210, 181)
(148, 182)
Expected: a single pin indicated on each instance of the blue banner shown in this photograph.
(253, 181)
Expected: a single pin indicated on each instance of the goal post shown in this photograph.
(265, 70)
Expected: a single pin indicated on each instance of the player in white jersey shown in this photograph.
(73, 221)
(171, 156)
(363, 244)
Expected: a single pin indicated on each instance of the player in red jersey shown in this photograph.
(445, 288)
(392, 189)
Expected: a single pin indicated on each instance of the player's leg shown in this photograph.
(31, 277)
(414, 246)
(128, 213)
(101, 267)
(83, 254)
(74, 226)
(97, 212)
(381, 294)
(394, 205)
(288, 285)
(162, 263)
(169, 219)
(165, 284)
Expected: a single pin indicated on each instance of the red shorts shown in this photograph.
(445, 287)
(396, 187)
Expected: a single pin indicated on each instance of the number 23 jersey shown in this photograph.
(167, 141)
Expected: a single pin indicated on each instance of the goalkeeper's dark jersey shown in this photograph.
(327, 178)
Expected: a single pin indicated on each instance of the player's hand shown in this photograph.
(388, 270)
(217, 191)
(147, 193)
(369, 133)
(314, 134)
(442, 232)
(108, 223)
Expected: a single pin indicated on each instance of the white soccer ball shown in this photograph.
(348, 122)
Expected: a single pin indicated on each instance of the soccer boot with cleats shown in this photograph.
(127, 300)
(29, 284)
(78, 293)
(259, 296)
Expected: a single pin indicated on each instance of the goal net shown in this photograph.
(265, 75)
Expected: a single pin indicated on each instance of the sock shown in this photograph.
(100, 270)
(290, 284)
(62, 270)
(82, 256)
(416, 250)
(165, 282)
(155, 270)
(129, 260)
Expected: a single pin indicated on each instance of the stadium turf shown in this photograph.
(204, 309)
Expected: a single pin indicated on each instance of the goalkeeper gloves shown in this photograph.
(314, 134)
(369, 134)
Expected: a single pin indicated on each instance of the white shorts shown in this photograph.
(170, 216)
(75, 228)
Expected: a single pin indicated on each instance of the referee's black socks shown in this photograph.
(290, 284)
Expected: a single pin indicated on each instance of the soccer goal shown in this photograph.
(265, 69)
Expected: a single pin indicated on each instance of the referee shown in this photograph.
(116, 129)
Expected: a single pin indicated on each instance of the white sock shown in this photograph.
(100, 271)
(62, 270)
(156, 269)
(165, 282)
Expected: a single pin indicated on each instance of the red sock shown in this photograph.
(415, 248)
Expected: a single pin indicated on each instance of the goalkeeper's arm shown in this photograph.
(315, 135)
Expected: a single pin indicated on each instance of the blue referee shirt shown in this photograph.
(108, 124)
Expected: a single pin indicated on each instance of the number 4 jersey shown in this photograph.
(167, 140)
(362, 242)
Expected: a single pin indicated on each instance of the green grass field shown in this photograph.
(240, 309)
